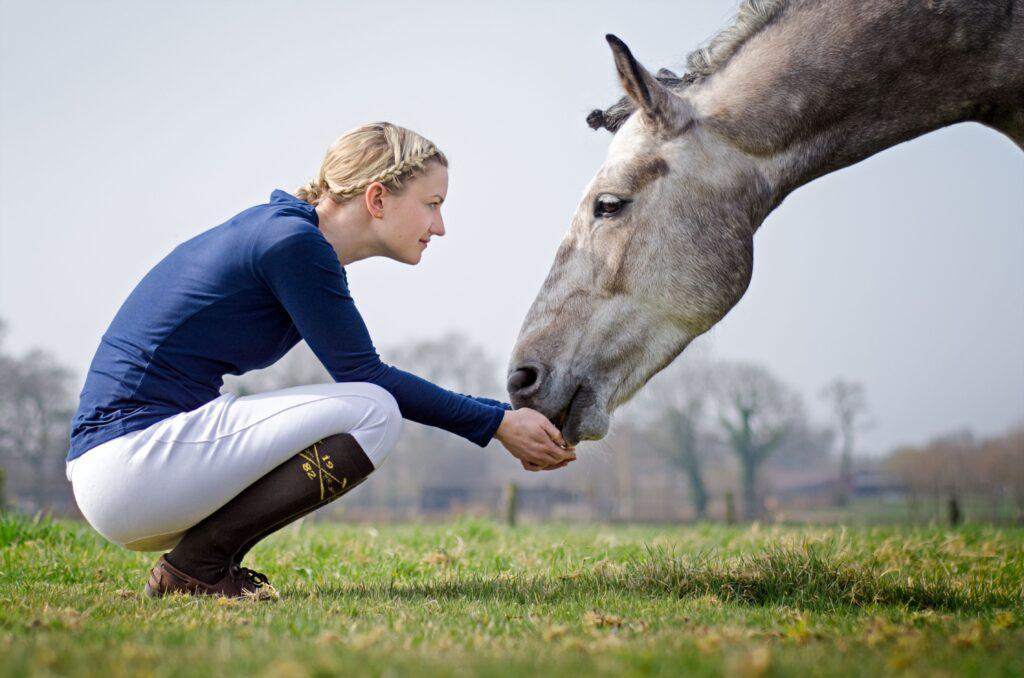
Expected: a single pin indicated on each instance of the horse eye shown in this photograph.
(607, 205)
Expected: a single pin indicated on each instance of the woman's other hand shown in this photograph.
(533, 440)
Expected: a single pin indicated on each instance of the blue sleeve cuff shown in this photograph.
(492, 427)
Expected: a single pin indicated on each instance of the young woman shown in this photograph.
(159, 459)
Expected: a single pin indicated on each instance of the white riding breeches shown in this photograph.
(144, 489)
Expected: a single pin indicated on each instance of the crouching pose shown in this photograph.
(160, 459)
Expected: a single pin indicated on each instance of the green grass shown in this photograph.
(475, 597)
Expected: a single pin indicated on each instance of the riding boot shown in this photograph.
(263, 534)
(312, 478)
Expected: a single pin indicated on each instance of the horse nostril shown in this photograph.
(522, 379)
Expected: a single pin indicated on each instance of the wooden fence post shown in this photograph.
(511, 503)
(955, 515)
(730, 508)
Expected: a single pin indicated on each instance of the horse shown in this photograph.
(660, 247)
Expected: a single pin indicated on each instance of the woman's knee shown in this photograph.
(385, 401)
(381, 422)
(391, 420)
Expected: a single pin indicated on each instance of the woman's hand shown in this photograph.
(533, 440)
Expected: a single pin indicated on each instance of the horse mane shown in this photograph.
(751, 17)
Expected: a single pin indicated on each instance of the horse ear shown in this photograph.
(657, 102)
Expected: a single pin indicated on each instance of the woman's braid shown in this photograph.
(390, 177)
(310, 192)
(377, 152)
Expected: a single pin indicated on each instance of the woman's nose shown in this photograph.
(439, 227)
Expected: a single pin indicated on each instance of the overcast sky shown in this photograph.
(128, 127)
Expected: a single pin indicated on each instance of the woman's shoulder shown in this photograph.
(278, 227)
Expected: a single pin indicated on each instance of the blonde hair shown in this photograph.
(379, 151)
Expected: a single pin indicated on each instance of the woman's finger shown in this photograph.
(560, 453)
(547, 457)
(559, 465)
(553, 432)
(544, 457)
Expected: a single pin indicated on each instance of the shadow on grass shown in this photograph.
(807, 578)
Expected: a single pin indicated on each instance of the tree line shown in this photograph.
(728, 433)
(37, 401)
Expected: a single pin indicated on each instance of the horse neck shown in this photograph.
(831, 82)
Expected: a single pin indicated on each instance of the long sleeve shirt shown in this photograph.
(236, 298)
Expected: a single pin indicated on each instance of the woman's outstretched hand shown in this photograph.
(533, 440)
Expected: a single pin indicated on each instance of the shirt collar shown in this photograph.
(279, 196)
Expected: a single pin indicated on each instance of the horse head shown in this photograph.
(659, 249)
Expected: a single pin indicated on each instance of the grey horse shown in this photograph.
(661, 245)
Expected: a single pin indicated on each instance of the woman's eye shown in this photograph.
(608, 204)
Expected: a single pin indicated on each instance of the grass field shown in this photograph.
(475, 597)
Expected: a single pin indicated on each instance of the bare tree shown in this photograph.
(1001, 465)
(36, 406)
(805, 446)
(429, 460)
(848, 406)
(676, 401)
(452, 361)
(756, 412)
(959, 466)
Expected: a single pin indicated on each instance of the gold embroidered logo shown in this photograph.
(318, 467)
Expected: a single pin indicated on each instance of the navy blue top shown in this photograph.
(236, 298)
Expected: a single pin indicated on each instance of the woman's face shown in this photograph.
(413, 217)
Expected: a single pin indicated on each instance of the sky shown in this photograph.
(128, 127)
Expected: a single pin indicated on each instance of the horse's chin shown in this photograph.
(584, 418)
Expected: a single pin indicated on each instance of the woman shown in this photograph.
(159, 459)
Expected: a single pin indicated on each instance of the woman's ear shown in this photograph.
(374, 197)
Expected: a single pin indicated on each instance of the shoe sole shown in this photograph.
(152, 593)
(269, 593)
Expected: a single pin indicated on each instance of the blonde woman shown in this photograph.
(159, 459)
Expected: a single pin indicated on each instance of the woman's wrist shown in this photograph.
(503, 425)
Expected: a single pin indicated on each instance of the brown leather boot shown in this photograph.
(237, 582)
(312, 478)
